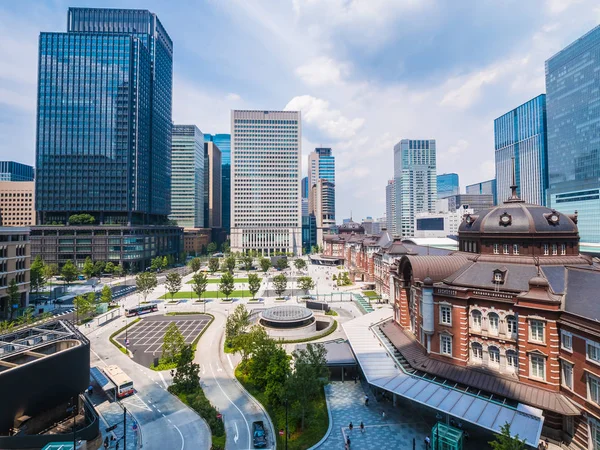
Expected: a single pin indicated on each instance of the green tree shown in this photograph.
(211, 248)
(281, 264)
(50, 270)
(37, 278)
(14, 296)
(109, 267)
(265, 264)
(229, 263)
(300, 263)
(199, 283)
(195, 264)
(253, 283)
(88, 268)
(173, 343)
(225, 247)
(106, 295)
(83, 306)
(280, 284)
(227, 284)
(504, 441)
(247, 261)
(156, 264)
(213, 265)
(173, 283)
(187, 378)
(81, 219)
(118, 270)
(306, 284)
(99, 268)
(305, 382)
(278, 370)
(69, 272)
(166, 262)
(261, 348)
(146, 282)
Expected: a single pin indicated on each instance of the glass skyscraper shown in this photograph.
(415, 182)
(104, 118)
(573, 99)
(521, 134)
(321, 164)
(188, 189)
(321, 196)
(447, 185)
(14, 171)
(223, 141)
(484, 187)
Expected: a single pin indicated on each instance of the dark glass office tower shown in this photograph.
(104, 139)
(104, 118)
(223, 141)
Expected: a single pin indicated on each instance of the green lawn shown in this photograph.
(207, 294)
(218, 280)
(316, 423)
(370, 294)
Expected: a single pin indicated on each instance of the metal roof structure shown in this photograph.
(383, 370)
(29, 338)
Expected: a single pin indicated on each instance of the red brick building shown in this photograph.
(514, 314)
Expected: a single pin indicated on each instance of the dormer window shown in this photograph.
(499, 276)
(505, 219)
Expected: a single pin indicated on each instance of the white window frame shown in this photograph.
(595, 347)
(546, 250)
(515, 249)
(477, 355)
(445, 341)
(512, 356)
(505, 249)
(554, 249)
(496, 249)
(566, 341)
(512, 322)
(493, 350)
(534, 336)
(566, 374)
(594, 432)
(476, 325)
(498, 277)
(445, 309)
(493, 330)
(593, 388)
(563, 249)
(534, 362)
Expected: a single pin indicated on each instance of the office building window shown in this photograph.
(511, 325)
(554, 249)
(494, 354)
(515, 249)
(477, 351)
(567, 374)
(496, 249)
(446, 344)
(512, 360)
(593, 388)
(563, 249)
(446, 315)
(593, 351)
(566, 340)
(538, 366)
(546, 251)
(505, 249)
(476, 320)
(493, 321)
(536, 330)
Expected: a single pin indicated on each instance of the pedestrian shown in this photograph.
(366, 400)
(362, 427)
(350, 427)
(427, 442)
(355, 379)
(382, 415)
(106, 442)
(348, 443)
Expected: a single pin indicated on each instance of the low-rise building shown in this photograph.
(17, 203)
(196, 240)
(439, 225)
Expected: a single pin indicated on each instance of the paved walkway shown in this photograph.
(402, 424)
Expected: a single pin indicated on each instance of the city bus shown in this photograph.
(124, 385)
(142, 309)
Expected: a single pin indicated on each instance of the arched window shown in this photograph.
(477, 351)
(493, 321)
(512, 361)
(476, 320)
(494, 354)
(511, 326)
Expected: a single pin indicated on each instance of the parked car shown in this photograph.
(259, 436)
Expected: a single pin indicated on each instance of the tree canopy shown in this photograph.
(69, 272)
(504, 441)
(227, 284)
(280, 284)
(146, 282)
(37, 276)
(81, 219)
(173, 343)
(306, 284)
(265, 264)
(195, 264)
(299, 263)
(213, 265)
(199, 284)
(253, 283)
(173, 283)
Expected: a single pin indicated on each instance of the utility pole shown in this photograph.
(124, 428)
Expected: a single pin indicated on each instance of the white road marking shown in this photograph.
(237, 434)
(98, 356)
(163, 379)
(230, 401)
(182, 439)
(218, 368)
(229, 359)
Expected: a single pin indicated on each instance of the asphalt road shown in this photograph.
(222, 389)
(166, 423)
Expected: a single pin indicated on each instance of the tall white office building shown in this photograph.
(415, 180)
(390, 207)
(266, 211)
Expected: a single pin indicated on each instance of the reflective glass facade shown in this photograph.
(447, 185)
(521, 134)
(188, 177)
(14, 171)
(104, 118)
(485, 187)
(573, 105)
(223, 141)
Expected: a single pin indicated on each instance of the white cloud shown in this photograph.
(316, 111)
(321, 71)
(233, 97)
(560, 6)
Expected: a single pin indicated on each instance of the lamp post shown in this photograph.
(286, 423)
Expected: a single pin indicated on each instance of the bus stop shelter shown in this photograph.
(105, 384)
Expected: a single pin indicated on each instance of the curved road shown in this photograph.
(217, 377)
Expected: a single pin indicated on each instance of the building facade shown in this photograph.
(572, 93)
(188, 177)
(439, 225)
(390, 207)
(17, 203)
(322, 205)
(265, 181)
(15, 260)
(321, 164)
(212, 186)
(485, 187)
(447, 185)
(476, 202)
(196, 240)
(415, 180)
(223, 141)
(14, 171)
(520, 135)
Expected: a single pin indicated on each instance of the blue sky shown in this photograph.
(365, 73)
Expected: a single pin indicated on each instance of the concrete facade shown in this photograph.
(17, 203)
(15, 260)
(213, 217)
